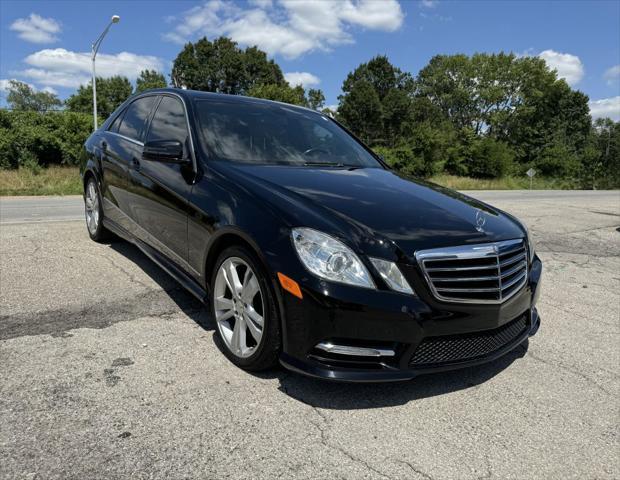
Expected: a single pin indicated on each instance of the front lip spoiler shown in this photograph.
(394, 375)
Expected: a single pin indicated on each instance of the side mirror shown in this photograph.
(170, 151)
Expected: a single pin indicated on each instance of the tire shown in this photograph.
(93, 212)
(242, 309)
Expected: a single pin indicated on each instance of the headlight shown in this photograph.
(329, 258)
(392, 275)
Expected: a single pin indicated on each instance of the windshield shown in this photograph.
(270, 133)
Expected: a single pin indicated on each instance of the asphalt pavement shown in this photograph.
(111, 370)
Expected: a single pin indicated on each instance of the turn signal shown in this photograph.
(290, 285)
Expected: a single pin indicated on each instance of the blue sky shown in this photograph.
(315, 42)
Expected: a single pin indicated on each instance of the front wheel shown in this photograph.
(244, 309)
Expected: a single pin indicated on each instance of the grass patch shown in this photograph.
(505, 183)
(45, 181)
(57, 180)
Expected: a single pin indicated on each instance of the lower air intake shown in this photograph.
(459, 348)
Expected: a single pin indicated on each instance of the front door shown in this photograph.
(161, 189)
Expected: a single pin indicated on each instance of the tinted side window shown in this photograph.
(169, 121)
(135, 117)
(116, 123)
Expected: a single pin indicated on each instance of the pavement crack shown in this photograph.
(572, 370)
(324, 420)
(132, 278)
(416, 469)
(592, 318)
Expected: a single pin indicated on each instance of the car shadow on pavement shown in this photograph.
(186, 302)
(352, 396)
(322, 393)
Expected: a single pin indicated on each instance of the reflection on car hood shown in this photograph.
(411, 213)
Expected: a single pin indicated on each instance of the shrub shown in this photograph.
(490, 159)
(48, 138)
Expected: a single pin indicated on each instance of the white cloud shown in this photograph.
(51, 90)
(64, 68)
(289, 27)
(612, 75)
(36, 29)
(569, 67)
(606, 107)
(305, 79)
(4, 84)
(429, 3)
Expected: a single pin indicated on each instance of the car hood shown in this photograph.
(376, 204)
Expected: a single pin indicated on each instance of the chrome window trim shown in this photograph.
(477, 251)
(129, 139)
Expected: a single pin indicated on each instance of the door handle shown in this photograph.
(135, 163)
(104, 146)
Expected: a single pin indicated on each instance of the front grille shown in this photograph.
(483, 273)
(459, 348)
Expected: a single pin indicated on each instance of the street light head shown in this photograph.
(116, 19)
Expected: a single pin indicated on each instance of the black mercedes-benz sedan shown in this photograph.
(305, 246)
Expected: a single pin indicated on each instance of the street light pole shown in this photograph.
(94, 49)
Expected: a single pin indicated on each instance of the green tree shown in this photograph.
(281, 93)
(259, 70)
(150, 79)
(111, 92)
(221, 66)
(382, 90)
(361, 110)
(22, 96)
(316, 99)
(601, 163)
(537, 118)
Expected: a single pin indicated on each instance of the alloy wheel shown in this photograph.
(91, 207)
(239, 307)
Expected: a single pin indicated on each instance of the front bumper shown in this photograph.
(425, 335)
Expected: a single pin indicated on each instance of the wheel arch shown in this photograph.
(88, 174)
(234, 236)
(228, 237)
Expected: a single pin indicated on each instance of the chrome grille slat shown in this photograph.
(465, 279)
(513, 281)
(465, 274)
(512, 271)
(461, 269)
(518, 249)
(461, 290)
(510, 261)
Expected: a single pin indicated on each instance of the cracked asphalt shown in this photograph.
(110, 370)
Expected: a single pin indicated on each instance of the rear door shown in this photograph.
(161, 189)
(121, 148)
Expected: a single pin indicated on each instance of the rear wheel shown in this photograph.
(243, 307)
(94, 212)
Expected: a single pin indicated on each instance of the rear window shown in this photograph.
(266, 133)
(116, 123)
(135, 117)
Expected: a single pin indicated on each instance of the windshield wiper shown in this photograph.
(331, 164)
(323, 164)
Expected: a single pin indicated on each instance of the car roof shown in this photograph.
(201, 95)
